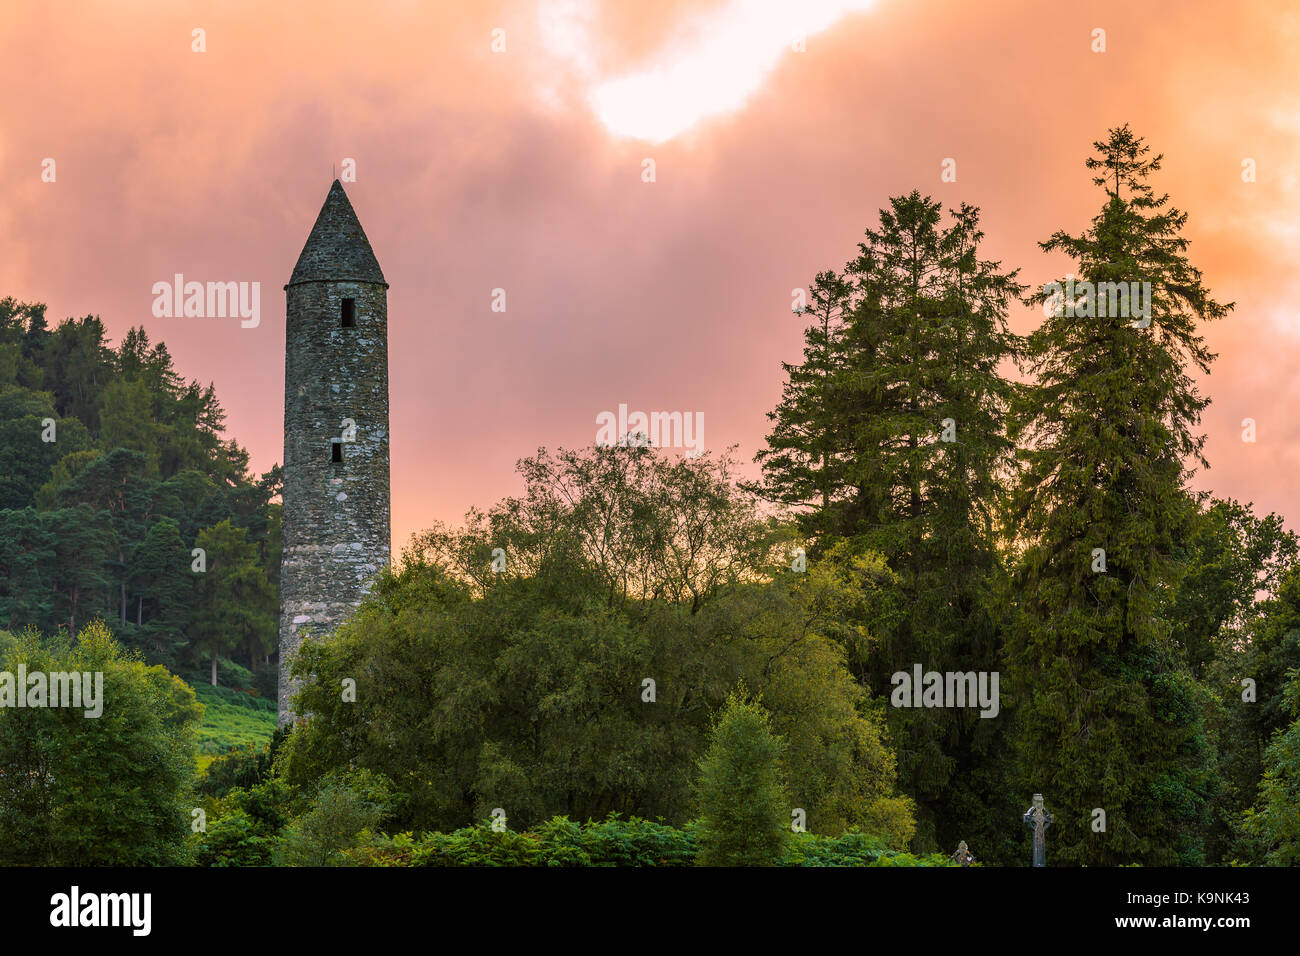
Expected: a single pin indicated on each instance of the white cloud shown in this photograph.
(716, 63)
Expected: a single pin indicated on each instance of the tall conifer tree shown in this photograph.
(1108, 716)
(906, 394)
(806, 458)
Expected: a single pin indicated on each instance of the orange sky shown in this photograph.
(519, 170)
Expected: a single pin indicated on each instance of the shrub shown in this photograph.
(346, 811)
(235, 839)
(112, 789)
(612, 842)
(743, 807)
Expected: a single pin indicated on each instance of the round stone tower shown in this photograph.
(336, 486)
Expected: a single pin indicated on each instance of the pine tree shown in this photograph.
(26, 556)
(932, 323)
(1108, 717)
(743, 810)
(236, 606)
(806, 459)
(83, 539)
(162, 582)
(905, 392)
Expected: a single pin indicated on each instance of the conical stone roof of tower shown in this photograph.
(337, 249)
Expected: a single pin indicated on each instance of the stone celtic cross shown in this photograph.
(1040, 820)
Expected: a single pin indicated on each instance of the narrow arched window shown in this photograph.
(348, 320)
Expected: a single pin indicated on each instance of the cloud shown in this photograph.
(713, 65)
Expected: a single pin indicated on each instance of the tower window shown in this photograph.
(349, 317)
(336, 451)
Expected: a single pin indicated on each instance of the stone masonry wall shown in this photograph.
(337, 524)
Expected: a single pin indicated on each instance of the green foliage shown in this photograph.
(618, 842)
(1104, 718)
(26, 555)
(235, 839)
(1271, 652)
(481, 846)
(1275, 822)
(523, 689)
(239, 606)
(526, 688)
(160, 576)
(233, 719)
(246, 823)
(744, 811)
(240, 767)
(126, 421)
(347, 808)
(95, 791)
(1227, 559)
(891, 435)
(26, 460)
(101, 520)
(848, 849)
(556, 842)
(613, 841)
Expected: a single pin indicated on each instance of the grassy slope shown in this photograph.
(231, 719)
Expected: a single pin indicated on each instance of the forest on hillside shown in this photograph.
(113, 470)
(642, 660)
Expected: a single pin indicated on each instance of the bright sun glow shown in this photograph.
(718, 65)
